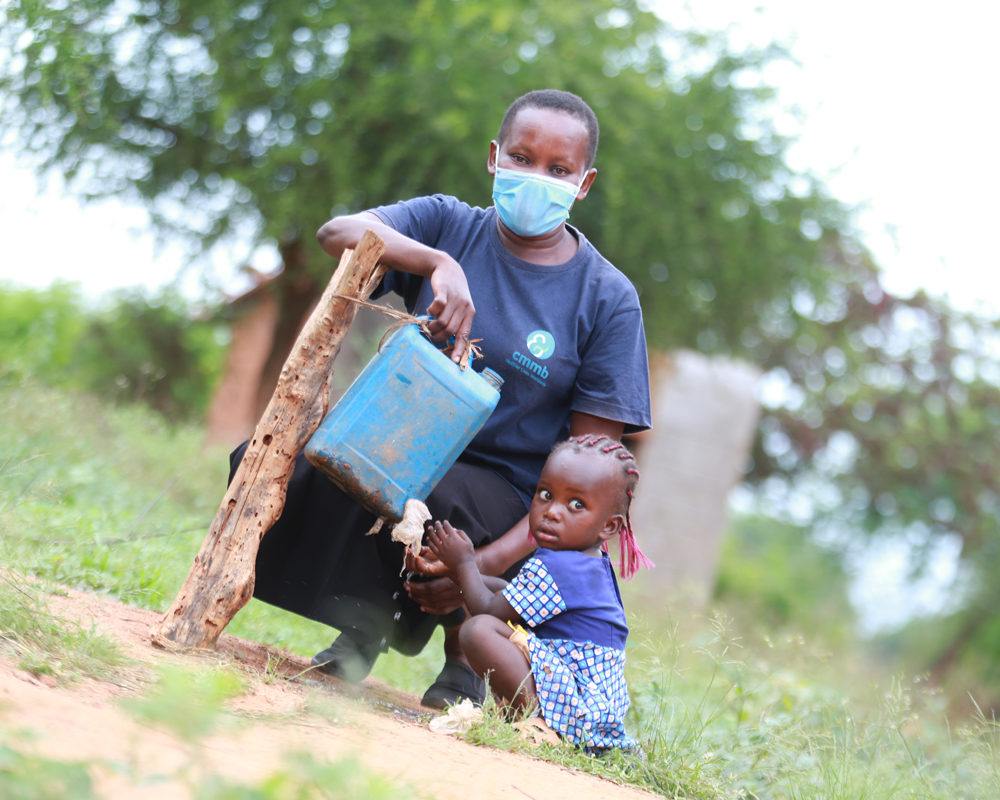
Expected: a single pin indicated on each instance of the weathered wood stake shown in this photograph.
(221, 579)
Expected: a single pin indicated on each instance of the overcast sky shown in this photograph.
(899, 118)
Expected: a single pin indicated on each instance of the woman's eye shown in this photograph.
(576, 505)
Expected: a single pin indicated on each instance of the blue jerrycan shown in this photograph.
(402, 423)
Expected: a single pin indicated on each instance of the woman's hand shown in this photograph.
(452, 307)
(439, 596)
(450, 545)
(426, 563)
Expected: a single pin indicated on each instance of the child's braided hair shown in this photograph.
(631, 557)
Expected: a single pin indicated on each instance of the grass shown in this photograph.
(113, 500)
(190, 704)
(46, 645)
(30, 777)
(303, 777)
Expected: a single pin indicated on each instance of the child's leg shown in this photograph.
(487, 645)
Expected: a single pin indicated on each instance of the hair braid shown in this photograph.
(631, 557)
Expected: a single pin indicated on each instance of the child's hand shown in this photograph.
(451, 546)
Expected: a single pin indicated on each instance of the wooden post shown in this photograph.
(221, 579)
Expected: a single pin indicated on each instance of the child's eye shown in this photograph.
(576, 505)
(545, 494)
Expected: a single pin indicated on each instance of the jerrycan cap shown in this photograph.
(492, 378)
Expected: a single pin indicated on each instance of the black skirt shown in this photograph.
(317, 562)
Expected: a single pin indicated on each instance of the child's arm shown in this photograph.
(455, 550)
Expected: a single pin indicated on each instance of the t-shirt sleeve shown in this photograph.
(613, 379)
(422, 219)
(533, 594)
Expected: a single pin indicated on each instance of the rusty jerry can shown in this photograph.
(402, 424)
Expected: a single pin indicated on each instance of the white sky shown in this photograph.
(899, 119)
(49, 235)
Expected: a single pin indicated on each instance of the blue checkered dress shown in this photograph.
(572, 604)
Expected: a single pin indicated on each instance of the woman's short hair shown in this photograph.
(557, 100)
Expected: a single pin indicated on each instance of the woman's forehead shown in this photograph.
(549, 129)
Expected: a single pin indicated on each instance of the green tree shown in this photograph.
(39, 331)
(153, 350)
(888, 422)
(133, 347)
(261, 119)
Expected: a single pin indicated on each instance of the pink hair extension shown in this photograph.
(630, 555)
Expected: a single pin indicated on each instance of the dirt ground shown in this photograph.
(386, 730)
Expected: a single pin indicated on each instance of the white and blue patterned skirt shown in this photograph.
(581, 691)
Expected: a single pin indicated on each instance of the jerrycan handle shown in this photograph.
(424, 318)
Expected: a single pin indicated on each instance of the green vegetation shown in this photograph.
(302, 777)
(46, 645)
(775, 577)
(306, 778)
(113, 499)
(130, 347)
(117, 500)
(718, 720)
(189, 703)
(32, 778)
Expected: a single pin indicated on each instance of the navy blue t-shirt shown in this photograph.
(564, 338)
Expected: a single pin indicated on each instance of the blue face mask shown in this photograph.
(531, 204)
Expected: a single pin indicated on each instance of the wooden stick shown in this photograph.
(221, 579)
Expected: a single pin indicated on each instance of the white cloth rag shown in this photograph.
(410, 529)
(459, 719)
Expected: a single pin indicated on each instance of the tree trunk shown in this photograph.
(296, 291)
(704, 416)
(222, 577)
(946, 660)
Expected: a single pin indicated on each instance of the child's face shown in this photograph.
(575, 503)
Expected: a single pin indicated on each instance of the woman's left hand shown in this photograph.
(438, 596)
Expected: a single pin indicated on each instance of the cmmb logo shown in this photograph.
(541, 344)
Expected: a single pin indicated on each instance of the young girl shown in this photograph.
(573, 670)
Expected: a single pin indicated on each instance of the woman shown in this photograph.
(557, 321)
